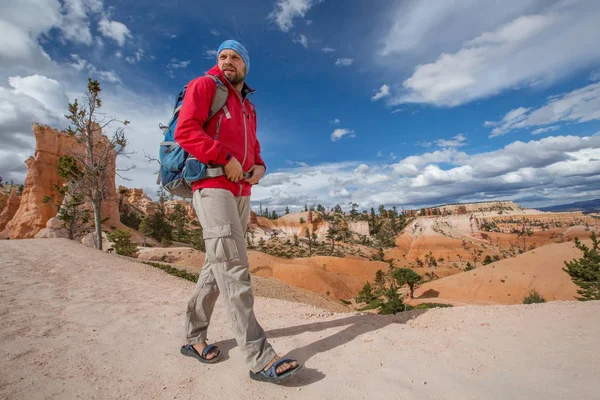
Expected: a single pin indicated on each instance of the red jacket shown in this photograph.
(236, 135)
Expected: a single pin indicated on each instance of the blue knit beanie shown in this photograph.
(239, 48)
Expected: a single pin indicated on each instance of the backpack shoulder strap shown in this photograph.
(220, 97)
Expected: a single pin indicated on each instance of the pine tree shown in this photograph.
(99, 150)
(406, 276)
(307, 236)
(394, 303)
(366, 294)
(585, 271)
(145, 229)
(287, 210)
(305, 208)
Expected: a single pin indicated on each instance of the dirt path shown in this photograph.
(77, 323)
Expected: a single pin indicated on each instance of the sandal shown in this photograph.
(190, 351)
(270, 375)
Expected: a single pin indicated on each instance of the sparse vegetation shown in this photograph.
(190, 276)
(123, 245)
(533, 297)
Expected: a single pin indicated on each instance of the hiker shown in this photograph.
(222, 204)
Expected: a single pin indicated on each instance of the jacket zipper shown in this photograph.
(242, 100)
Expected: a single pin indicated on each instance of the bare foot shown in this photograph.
(283, 367)
(211, 354)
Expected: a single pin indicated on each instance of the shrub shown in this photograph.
(366, 294)
(585, 272)
(122, 240)
(487, 260)
(533, 297)
(394, 302)
(406, 276)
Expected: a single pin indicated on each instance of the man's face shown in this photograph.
(232, 65)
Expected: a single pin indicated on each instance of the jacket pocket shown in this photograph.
(220, 244)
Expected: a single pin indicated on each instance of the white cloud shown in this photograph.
(396, 111)
(545, 130)
(594, 76)
(456, 141)
(176, 64)
(309, 22)
(383, 92)
(343, 62)
(327, 50)
(335, 121)
(79, 64)
(210, 54)
(214, 32)
(286, 10)
(302, 40)
(548, 170)
(504, 56)
(580, 105)
(136, 58)
(340, 133)
(114, 30)
(379, 154)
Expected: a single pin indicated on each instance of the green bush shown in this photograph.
(533, 297)
(394, 302)
(406, 276)
(366, 294)
(585, 271)
(122, 240)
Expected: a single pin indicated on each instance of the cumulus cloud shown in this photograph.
(286, 11)
(343, 62)
(335, 121)
(383, 92)
(580, 105)
(504, 56)
(114, 30)
(548, 170)
(340, 133)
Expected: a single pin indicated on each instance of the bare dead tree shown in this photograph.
(99, 151)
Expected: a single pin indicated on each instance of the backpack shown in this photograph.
(179, 169)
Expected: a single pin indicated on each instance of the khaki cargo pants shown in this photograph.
(224, 220)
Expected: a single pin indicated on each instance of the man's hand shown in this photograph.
(257, 172)
(233, 170)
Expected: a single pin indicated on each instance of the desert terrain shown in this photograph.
(79, 323)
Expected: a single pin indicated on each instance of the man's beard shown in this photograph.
(238, 78)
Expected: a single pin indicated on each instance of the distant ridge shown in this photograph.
(584, 206)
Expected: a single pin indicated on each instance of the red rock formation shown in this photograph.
(12, 205)
(138, 200)
(187, 206)
(42, 175)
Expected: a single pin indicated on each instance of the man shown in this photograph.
(223, 204)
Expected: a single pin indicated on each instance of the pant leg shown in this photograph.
(219, 213)
(202, 302)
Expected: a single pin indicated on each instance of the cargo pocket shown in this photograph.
(220, 244)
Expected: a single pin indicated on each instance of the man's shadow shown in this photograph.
(357, 325)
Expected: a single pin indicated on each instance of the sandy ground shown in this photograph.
(78, 323)
(508, 281)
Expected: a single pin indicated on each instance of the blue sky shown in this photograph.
(407, 103)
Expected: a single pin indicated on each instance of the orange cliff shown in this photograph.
(10, 208)
(32, 214)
